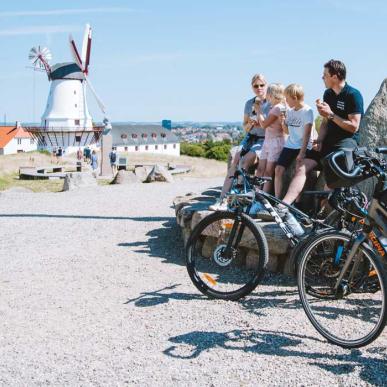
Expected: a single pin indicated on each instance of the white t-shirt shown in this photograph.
(296, 121)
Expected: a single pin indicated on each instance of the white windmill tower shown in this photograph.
(66, 121)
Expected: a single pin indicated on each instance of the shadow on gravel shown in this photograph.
(94, 217)
(373, 370)
(164, 243)
(161, 296)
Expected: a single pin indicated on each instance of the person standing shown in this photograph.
(113, 160)
(342, 110)
(94, 162)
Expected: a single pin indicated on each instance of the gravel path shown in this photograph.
(94, 291)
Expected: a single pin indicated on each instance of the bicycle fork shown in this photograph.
(339, 283)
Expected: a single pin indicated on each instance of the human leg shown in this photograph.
(269, 172)
(298, 181)
(279, 174)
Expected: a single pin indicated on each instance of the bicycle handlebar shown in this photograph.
(356, 173)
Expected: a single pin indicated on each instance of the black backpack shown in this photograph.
(113, 157)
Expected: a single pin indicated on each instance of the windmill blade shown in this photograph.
(99, 102)
(85, 44)
(74, 52)
(39, 57)
(88, 50)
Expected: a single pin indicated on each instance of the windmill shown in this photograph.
(66, 121)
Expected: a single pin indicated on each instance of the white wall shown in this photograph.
(172, 149)
(13, 147)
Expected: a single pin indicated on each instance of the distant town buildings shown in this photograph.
(14, 139)
(145, 138)
(196, 133)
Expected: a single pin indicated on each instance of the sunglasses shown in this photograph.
(259, 85)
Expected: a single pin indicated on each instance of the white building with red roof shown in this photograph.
(14, 139)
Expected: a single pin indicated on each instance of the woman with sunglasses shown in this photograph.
(251, 146)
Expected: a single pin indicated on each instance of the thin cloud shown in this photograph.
(34, 30)
(73, 11)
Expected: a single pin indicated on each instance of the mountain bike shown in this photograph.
(342, 276)
(227, 251)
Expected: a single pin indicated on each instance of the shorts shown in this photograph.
(288, 155)
(272, 148)
(256, 147)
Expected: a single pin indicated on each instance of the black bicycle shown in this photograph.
(342, 276)
(227, 251)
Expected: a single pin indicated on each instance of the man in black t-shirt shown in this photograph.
(342, 110)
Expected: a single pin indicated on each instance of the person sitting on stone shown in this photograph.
(251, 146)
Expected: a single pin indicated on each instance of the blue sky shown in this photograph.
(190, 60)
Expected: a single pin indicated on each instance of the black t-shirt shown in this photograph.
(348, 101)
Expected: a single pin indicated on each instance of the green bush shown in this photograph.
(194, 150)
(218, 152)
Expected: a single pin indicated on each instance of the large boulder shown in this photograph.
(159, 173)
(75, 180)
(142, 172)
(373, 127)
(125, 177)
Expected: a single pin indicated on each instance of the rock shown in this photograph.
(125, 177)
(141, 173)
(373, 126)
(159, 173)
(76, 180)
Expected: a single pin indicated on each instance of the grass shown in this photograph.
(10, 180)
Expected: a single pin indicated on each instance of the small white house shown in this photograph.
(145, 138)
(14, 139)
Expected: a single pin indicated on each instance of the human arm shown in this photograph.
(305, 142)
(248, 123)
(282, 119)
(351, 124)
(265, 122)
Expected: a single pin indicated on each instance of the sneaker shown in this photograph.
(258, 211)
(219, 205)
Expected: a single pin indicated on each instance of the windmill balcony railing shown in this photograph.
(65, 136)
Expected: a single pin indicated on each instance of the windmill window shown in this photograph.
(156, 147)
(124, 136)
(76, 105)
(77, 122)
(126, 149)
(78, 137)
(174, 146)
(165, 146)
(146, 147)
(19, 141)
(136, 148)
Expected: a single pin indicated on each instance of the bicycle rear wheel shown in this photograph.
(226, 255)
(355, 315)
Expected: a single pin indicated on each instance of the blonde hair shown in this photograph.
(276, 91)
(295, 91)
(258, 76)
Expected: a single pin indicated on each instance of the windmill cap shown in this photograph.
(66, 71)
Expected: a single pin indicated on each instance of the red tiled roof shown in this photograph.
(7, 133)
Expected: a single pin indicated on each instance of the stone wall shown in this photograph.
(192, 208)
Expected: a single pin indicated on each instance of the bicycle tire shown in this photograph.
(316, 318)
(207, 286)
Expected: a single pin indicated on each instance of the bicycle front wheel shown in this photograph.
(226, 254)
(355, 314)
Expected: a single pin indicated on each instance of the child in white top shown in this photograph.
(299, 124)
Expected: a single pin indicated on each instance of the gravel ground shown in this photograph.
(94, 291)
